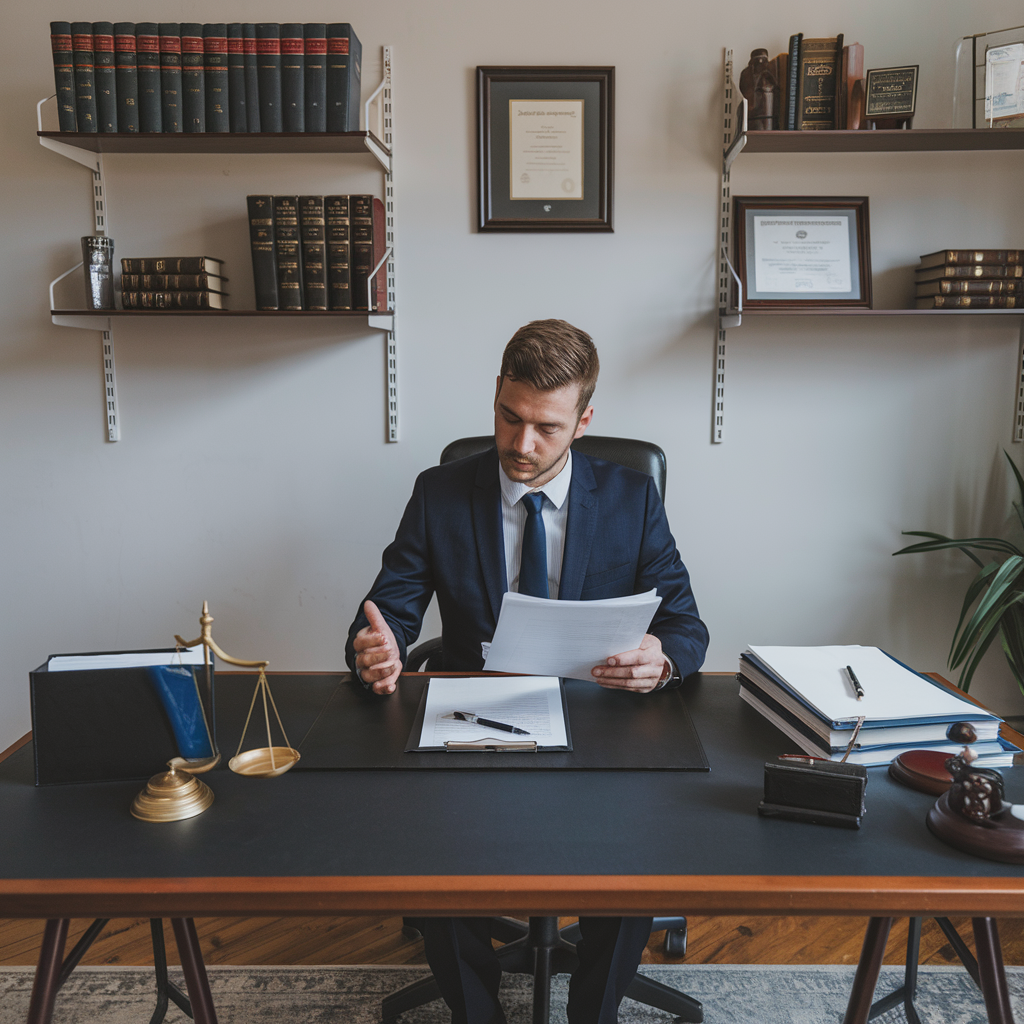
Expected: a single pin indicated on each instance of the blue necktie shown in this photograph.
(533, 567)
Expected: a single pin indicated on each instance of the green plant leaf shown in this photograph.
(1000, 594)
(1013, 648)
(967, 674)
(973, 591)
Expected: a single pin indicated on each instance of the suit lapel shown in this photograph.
(490, 540)
(580, 527)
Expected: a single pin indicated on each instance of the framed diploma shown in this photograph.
(798, 252)
(545, 148)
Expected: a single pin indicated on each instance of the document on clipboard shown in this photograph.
(534, 706)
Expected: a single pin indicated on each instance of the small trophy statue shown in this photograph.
(973, 814)
(760, 87)
(98, 260)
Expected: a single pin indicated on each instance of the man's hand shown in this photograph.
(377, 652)
(640, 670)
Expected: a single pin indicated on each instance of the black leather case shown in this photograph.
(822, 792)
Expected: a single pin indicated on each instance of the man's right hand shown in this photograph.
(377, 658)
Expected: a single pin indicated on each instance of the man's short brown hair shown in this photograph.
(551, 354)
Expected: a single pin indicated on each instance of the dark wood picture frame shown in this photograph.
(497, 209)
(744, 253)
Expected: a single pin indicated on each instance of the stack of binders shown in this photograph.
(807, 692)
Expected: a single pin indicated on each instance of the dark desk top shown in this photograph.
(526, 842)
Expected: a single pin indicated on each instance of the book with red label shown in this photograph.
(958, 257)
(85, 79)
(170, 76)
(314, 252)
(193, 78)
(315, 36)
(237, 117)
(344, 57)
(369, 233)
(983, 271)
(127, 75)
(338, 230)
(252, 84)
(63, 74)
(288, 252)
(147, 61)
(172, 265)
(215, 73)
(293, 78)
(105, 75)
(171, 300)
(965, 301)
(268, 68)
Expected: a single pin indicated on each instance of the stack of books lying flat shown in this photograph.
(173, 282)
(807, 692)
(975, 278)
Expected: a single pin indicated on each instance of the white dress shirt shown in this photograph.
(554, 512)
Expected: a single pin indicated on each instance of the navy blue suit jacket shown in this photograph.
(450, 541)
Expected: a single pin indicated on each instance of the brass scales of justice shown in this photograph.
(176, 793)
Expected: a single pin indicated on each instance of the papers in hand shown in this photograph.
(533, 703)
(536, 636)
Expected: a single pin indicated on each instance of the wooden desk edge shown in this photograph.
(513, 894)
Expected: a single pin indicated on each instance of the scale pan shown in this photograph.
(257, 762)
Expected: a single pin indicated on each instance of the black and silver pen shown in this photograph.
(468, 716)
(856, 682)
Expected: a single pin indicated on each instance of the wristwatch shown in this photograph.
(669, 676)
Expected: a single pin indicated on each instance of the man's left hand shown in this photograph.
(640, 670)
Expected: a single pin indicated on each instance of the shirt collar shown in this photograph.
(555, 490)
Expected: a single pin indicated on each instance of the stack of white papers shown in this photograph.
(125, 659)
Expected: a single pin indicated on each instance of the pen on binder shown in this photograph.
(468, 716)
(858, 689)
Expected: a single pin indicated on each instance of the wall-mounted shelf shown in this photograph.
(913, 140)
(88, 149)
(882, 312)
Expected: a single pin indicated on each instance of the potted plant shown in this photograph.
(998, 590)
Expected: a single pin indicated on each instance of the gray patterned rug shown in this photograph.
(352, 995)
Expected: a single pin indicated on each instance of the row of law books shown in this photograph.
(806, 692)
(974, 278)
(173, 282)
(318, 252)
(189, 77)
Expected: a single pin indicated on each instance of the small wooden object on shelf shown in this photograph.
(923, 770)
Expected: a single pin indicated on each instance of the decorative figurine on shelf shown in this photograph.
(760, 88)
(98, 260)
(973, 814)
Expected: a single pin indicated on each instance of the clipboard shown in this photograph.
(494, 745)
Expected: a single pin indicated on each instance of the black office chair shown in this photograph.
(540, 948)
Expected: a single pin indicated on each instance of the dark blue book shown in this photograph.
(293, 78)
(268, 66)
(127, 76)
(63, 74)
(261, 239)
(147, 59)
(85, 82)
(236, 79)
(315, 36)
(105, 75)
(344, 56)
(793, 83)
(215, 53)
(252, 87)
(193, 78)
(170, 76)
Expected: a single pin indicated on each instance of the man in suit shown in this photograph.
(531, 516)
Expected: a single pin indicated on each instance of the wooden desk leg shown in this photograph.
(47, 982)
(990, 971)
(864, 982)
(194, 970)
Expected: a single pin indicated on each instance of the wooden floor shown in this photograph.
(379, 940)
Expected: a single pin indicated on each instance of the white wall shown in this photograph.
(253, 470)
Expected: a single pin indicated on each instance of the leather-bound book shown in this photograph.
(820, 61)
(793, 81)
(126, 66)
(252, 77)
(193, 78)
(955, 257)
(852, 72)
(236, 80)
(288, 252)
(268, 64)
(315, 39)
(368, 246)
(293, 78)
(172, 265)
(261, 240)
(173, 283)
(170, 76)
(980, 271)
(172, 300)
(147, 57)
(314, 251)
(63, 74)
(339, 252)
(947, 287)
(105, 75)
(967, 301)
(215, 57)
(344, 57)
(85, 78)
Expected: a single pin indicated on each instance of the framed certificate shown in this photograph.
(545, 148)
(795, 252)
